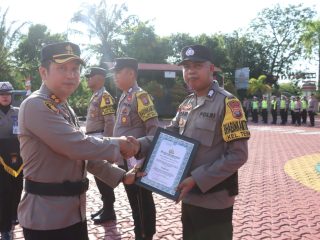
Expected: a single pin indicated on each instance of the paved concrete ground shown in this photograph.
(279, 192)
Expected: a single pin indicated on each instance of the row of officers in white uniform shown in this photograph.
(298, 108)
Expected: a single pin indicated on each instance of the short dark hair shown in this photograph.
(46, 64)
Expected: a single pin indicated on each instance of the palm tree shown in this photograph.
(311, 40)
(9, 35)
(107, 24)
(258, 86)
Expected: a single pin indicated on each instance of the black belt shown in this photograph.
(230, 184)
(66, 188)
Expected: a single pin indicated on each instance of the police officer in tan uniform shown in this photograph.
(55, 152)
(10, 162)
(215, 118)
(100, 122)
(136, 116)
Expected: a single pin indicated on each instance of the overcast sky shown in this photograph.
(168, 16)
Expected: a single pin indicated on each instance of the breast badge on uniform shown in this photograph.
(124, 120)
(51, 106)
(234, 126)
(146, 109)
(129, 98)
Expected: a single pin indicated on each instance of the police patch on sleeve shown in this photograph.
(234, 126)
(106, 105)
(146, 108)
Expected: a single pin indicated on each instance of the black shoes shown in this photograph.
(104, 216)
(96, 214)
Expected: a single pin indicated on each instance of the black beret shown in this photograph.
(121, 63)
(5, 88)
(195, 53)
(95, 71)
(61, 52)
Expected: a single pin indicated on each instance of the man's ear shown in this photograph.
(211, 68)
(43, 72)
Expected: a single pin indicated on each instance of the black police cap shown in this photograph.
(61, 52)
(125, 62)
(95, 71)
(195, 53)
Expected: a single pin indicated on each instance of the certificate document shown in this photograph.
(168, 162)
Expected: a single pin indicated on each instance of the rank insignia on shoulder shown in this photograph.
(55, 98)
(51, 106)
(234, 126)
(210, 93)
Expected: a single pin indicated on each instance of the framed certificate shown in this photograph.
(167, 163)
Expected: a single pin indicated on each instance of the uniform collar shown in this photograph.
(45, 90)
(133, 88)
(99, 90)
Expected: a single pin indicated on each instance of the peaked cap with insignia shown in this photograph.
(95, 71)
(61, 52)
(124, 62)
(195, 53)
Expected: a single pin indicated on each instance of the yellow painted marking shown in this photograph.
(303, 170)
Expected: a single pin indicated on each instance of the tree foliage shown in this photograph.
(9, 36)
(106, 24)
(279, 31)
(311, 41)
(142, 43)
(258, 86)
(28, 51)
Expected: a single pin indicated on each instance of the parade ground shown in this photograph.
(279, 194)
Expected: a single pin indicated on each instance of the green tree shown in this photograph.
(217, 46)
(105, 24)
(279, 31)
(289, 89)
(311, 41)
(241, 51)
(176, 43)
(258, 86)
(142, 43)
(9, 35)
(27, 54)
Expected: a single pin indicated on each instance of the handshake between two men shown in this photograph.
(129, 147)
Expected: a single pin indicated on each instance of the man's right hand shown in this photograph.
(128, 148)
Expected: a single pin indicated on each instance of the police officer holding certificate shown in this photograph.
(215, 118)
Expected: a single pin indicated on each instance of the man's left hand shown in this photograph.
(184, 187)
(131, 176)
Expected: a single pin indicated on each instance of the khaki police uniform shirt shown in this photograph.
(54, 150)
(9, 123)
(219, 124)
(312, 105)
(101, 113)
(136, 115)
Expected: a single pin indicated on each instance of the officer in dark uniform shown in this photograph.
(136, 116)
(100, 122)
(10, 162)
(215, 118)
